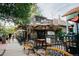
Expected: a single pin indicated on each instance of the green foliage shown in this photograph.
(7, 31)
(59, 32)
(21, 11)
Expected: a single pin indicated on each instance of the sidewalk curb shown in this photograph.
(3, 52)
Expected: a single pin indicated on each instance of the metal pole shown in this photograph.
(67, 26)
(77, 27)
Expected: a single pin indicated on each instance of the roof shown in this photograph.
(59, 22)
(41, 17)
(74, 10)
(44, 27)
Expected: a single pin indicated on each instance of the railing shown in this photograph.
(49, 51)
(71, 44)
(66, 43)
(57, 42)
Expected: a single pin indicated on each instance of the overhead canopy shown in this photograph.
(72, 11)
(73, 15)
(44, 27)
(75, 19)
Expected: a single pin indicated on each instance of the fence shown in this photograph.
(71, 44)
(57, 42)
(68, 43)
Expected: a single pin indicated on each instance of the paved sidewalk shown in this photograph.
(2, 49)
(14, 49)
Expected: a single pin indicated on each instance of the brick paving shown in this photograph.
(14, 49)
(2, 48)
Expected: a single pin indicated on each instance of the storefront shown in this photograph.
(44, 34)
(73, 43)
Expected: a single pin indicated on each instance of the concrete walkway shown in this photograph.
(2, 48)
(14, 49)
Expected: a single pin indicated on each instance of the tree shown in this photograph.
(19, 13)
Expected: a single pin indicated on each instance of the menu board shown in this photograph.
(50, 33)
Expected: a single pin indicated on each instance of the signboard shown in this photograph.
(50, 33)
(48, 40)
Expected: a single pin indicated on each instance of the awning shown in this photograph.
(72, 11)
(71, 16)
(75, 19)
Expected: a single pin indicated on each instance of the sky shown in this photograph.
(54, 10)
(7, 24)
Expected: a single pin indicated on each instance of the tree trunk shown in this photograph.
(25, 33)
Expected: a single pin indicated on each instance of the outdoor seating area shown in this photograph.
(48, 51)
(40, 46)
(26, 31)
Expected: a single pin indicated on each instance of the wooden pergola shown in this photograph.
(41, 27)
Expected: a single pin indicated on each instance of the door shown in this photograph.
(41, 34)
